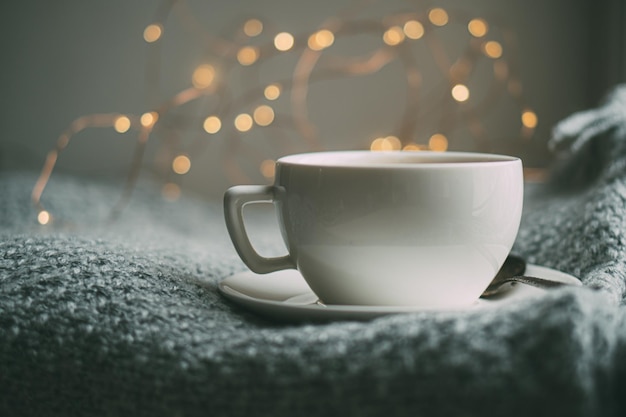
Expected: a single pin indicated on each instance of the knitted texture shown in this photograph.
(124, 318)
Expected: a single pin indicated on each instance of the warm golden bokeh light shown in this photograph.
(529, 119)
(272, 92)
(212, 124)
(321, 39)
(170, 191)
(203, 76)
(181, 164)
(121, 124)
(412, 147)
(263, 115)
(413, 29)
(149, 119)
(243, 122)
(253, 27)
(153, 32)
(393, 36)
(268, 168)
(283, 41)
(438, 142)
(389, 143)
(460, 92)
(248, 55)
(477, 27)
(43, 217)
(492, 49)
(438, 16)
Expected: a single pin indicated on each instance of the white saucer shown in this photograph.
(285, 296)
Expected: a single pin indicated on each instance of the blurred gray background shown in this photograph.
(67, 58)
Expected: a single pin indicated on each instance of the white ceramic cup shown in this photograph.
(425, 229)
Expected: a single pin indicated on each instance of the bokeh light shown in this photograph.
(153, 32)
(43, 217)
(477, 27)
(149, 119)
(263, 115)
(529, 119)
(243, 122)
(438, 142)
(121, 124)
(438, 16)
(460, 92)
(388, 143)
(411, 147)
(321, 39)
(248, 55)
(492, 49)
(283, 41)
(272, 92)
(268, 168)
(393, 36)
(212, 124)
(413, 29)
(181, 164)
(253, 27)
(203, 76)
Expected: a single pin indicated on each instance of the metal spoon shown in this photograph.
(513, 271)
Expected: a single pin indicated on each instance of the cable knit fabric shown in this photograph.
(124, 318)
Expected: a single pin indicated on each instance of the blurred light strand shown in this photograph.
(254, 42)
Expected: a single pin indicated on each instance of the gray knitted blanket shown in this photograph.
(125, 318)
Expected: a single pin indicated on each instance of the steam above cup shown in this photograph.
(424, 229)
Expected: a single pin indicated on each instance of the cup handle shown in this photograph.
(235, 199)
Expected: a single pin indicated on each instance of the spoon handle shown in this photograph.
(524, 279)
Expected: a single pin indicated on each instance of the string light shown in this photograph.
(268, 168)
(153, 32)
(321, 40)
(388, 143)
(243, 122)
(272, 92)
(122, 124)
(438, 142)
(263, 115)
(492, 49)
(149, 119)
(253, 27)
(203, 76)
(248, 55)
(412, 147)
(393, 36)
(212, 124)
(284, 41)
(529, 119)
(413, 29)
(460, 92)
(477, 27)
(181, 164)
(43, 217)
(438, 16)
(398, 28)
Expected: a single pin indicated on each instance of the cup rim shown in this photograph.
(401, 159)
